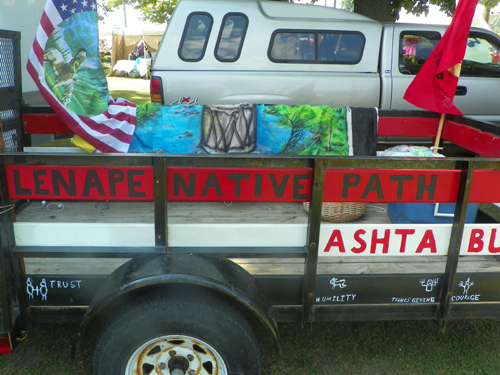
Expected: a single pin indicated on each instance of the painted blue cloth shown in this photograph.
(257, 129)
(167, 130)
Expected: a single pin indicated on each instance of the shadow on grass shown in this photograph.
(341, 348)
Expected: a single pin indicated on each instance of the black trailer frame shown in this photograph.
(267, 299)
(291, 296)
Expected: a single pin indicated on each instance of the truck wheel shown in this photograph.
(177, 333)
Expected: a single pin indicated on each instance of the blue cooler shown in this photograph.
(408, 213)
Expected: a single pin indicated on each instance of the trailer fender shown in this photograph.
(212, 272)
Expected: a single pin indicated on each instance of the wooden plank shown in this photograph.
(45, 123)
(55, 150)
(86, 212)
(223, 217)
(64, 266)
(223, 224)
(407, 126)
(181, 212)
(292, 266)
(476, 140)
(336, 240)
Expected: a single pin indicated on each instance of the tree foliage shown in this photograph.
(159, 11)
(347, 5)
(388, 10)
(314, 130)
(421, 7)
(415, 7)
(495, 23)
(155, 11)
(489, 4)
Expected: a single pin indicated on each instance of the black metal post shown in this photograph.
(313, 228)
(160, 203)
(12, 308)
(455, 241)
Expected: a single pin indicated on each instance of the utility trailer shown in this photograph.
(183, 257)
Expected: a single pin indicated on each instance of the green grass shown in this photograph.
(469, 347)
(107, 68)
(136, 97)
(395, 347)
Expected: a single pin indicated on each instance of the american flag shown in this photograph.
(65, 64)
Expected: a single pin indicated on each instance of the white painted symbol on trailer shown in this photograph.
(465, 296)
(338, 283)
(466, 285)
(429, 284)
(41, 290)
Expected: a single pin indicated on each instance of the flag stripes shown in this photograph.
(112, 130)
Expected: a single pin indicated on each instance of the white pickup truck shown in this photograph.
(228, 52)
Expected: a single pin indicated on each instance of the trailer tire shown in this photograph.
(188, 331)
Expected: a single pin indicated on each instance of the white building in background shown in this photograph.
(126, 21)
(23, 16)
(127, 18)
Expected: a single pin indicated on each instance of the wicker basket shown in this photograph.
(341, 212)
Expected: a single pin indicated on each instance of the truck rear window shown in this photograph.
(414, 49)
(195, 36)
(231, 36)
(331, 47)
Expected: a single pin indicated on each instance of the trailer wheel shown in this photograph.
(188, 333)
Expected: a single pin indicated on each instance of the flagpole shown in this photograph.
(435, 85)
(438, 135)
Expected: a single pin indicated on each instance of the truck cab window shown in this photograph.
(292, 47)
(481, 58)
(340, 47)
(231, 37)
(195, 36)
(415, 48)
(316, 47)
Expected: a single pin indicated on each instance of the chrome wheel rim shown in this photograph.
(176, 355)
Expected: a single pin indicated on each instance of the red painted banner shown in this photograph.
(386, 185)
(239, 184)
(134, 183)
(80, 183)
(245, 184)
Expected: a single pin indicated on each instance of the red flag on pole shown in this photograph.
(434, 86)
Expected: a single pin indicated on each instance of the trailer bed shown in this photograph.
(230, 213)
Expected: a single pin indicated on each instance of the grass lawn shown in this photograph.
(136, 97)
(469, 347)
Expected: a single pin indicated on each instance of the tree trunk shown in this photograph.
(379, 10)
(486, 14)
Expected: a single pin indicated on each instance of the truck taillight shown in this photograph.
(5, 347)
(155, 89)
